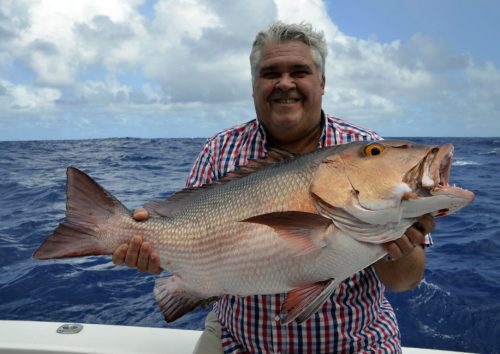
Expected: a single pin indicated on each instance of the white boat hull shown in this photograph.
(33, 337)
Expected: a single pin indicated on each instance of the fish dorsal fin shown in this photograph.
(302, 302)
(174, 203)
(178, 200)
(303, 232)
(273, 157)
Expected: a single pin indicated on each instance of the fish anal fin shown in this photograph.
(302, 302)
(303, 232)
(174, 299)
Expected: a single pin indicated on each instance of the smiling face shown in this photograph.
(287, 93)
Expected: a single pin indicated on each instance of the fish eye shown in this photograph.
(374, 149)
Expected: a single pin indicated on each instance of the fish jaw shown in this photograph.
(431, 192)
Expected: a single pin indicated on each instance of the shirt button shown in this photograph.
(277, 318)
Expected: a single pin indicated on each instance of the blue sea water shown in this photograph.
(456, 307)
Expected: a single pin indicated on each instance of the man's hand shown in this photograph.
(138, 253)
(403, 268)
(413, 237)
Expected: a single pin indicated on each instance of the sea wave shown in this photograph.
(456, 307)
(465, 163)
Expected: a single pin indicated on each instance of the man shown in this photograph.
(288, 78)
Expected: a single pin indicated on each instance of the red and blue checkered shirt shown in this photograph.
(357, 317)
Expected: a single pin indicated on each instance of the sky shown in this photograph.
(85, 69)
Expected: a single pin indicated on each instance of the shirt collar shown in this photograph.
(321, 141)
(324, 127)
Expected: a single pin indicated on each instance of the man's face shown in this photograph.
(287, 91)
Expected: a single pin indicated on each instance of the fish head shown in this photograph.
(384, 186)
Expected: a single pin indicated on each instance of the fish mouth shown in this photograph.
(431, 174)
(430, 178)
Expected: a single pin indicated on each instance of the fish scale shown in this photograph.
(255, 240)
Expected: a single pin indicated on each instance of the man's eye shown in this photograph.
(300, 73)
(269, 75)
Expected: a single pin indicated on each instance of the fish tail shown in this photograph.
(89, 211)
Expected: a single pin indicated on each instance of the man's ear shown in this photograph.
(323, 84)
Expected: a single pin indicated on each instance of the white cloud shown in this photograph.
(25, 98)
(200, 52)
(187, 62)
(179, 19)
(312, 11)
(63, 37)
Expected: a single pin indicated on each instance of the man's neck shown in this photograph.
(300, 146)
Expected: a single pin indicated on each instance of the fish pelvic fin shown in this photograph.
(302, 302)
(89, 207)
(174, 299)
(303, 232)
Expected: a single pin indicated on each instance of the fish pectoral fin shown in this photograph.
(173, 298)
(302, 302)
(304, 232)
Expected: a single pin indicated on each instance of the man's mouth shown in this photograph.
(286, 100)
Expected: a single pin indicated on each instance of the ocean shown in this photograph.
(456, 307)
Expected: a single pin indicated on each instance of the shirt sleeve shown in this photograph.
(203, 170)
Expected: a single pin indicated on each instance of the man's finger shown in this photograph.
(134, 248)
(426, 224)
(143, 260)
(119, 254)
(141, 214)
(393, 251)
(405, 244)
(154, 264)
(415, 236)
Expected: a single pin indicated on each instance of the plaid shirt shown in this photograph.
(356, 318)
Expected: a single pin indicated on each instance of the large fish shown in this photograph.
(296, 225)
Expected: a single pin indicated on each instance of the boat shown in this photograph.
(36, 337)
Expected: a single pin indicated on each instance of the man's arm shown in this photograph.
(403, 269)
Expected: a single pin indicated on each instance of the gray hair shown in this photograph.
(280, 32)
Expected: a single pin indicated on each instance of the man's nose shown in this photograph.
(285, 82)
